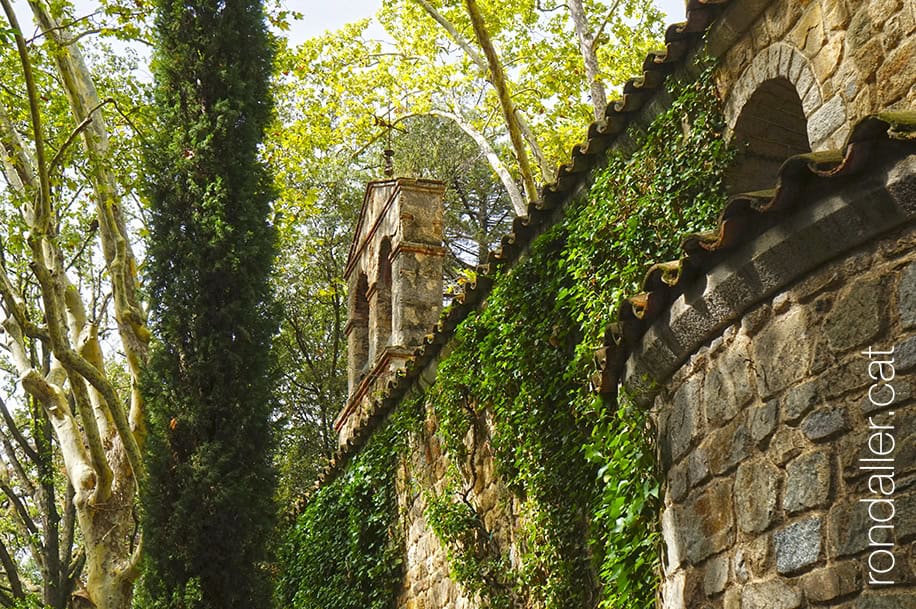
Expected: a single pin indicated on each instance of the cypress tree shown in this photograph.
(208, 501)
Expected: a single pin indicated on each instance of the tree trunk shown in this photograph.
(108, 531)
(505, 98)
(99, 441)
(518, 200)
(589, 58)
(547, 171)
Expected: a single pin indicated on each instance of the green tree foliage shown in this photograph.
(315, 235)
(338, 92)
(477, 209)
(208, 506)
(311, 345)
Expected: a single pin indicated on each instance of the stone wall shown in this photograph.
(764, 431)
(427, 583)
(759, 383)
(846, 59)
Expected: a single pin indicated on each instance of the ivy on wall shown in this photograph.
(345, 549)
(582, 471)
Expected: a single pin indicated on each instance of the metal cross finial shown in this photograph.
(389, 151)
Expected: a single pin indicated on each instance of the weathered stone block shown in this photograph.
(684, 423)
(754, 558)
(825, 422)
(808, 34)
(786, 444)
(673, 591)
(906, 297)
(838, 15)
(828, 58)
(698, 467)
(848, 529)
(841, 379)
(857, 316)
(885, 599)
(906, 515)
(897, 74)
(728, 446)
(825, 584)
(762, 421)
(782, 352)
(727, 387)
(707, 522)
(755, 319)
(807, 482)
(893, 32)
(827, 119)
(799, 400)
(905, 354)
(715, 574)
(757, 485)
(903, 391)
(773, 594)
(781, 17)
(862, 29)
(811, 287)
(678, 482)
(798, 545)
(798, 64)
(867, 58)
(674, 542)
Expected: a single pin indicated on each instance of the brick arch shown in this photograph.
(783, 61)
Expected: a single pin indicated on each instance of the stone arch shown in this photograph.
(770, 128)
(779, 60)
(826, 117)
(780, 87)
(357, 330)
(381, 301)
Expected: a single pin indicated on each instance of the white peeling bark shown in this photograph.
(100, 447)
(515, 195)
(589, 58)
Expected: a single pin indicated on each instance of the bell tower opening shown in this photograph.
(380, 298)
(357, 331)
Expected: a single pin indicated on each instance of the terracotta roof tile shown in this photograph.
(746, 216)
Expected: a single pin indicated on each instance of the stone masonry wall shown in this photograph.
(764, 432)
(846, 59)
(427, 584)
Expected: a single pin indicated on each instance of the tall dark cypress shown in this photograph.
(208, 499)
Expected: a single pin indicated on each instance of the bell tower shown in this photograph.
(394, 280)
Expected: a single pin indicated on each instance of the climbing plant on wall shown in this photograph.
(344, 549)
(581, 470)
(584, 469)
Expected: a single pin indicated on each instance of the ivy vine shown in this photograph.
(345, 549)
(584, 470)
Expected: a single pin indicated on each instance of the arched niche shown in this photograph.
(770, 128)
